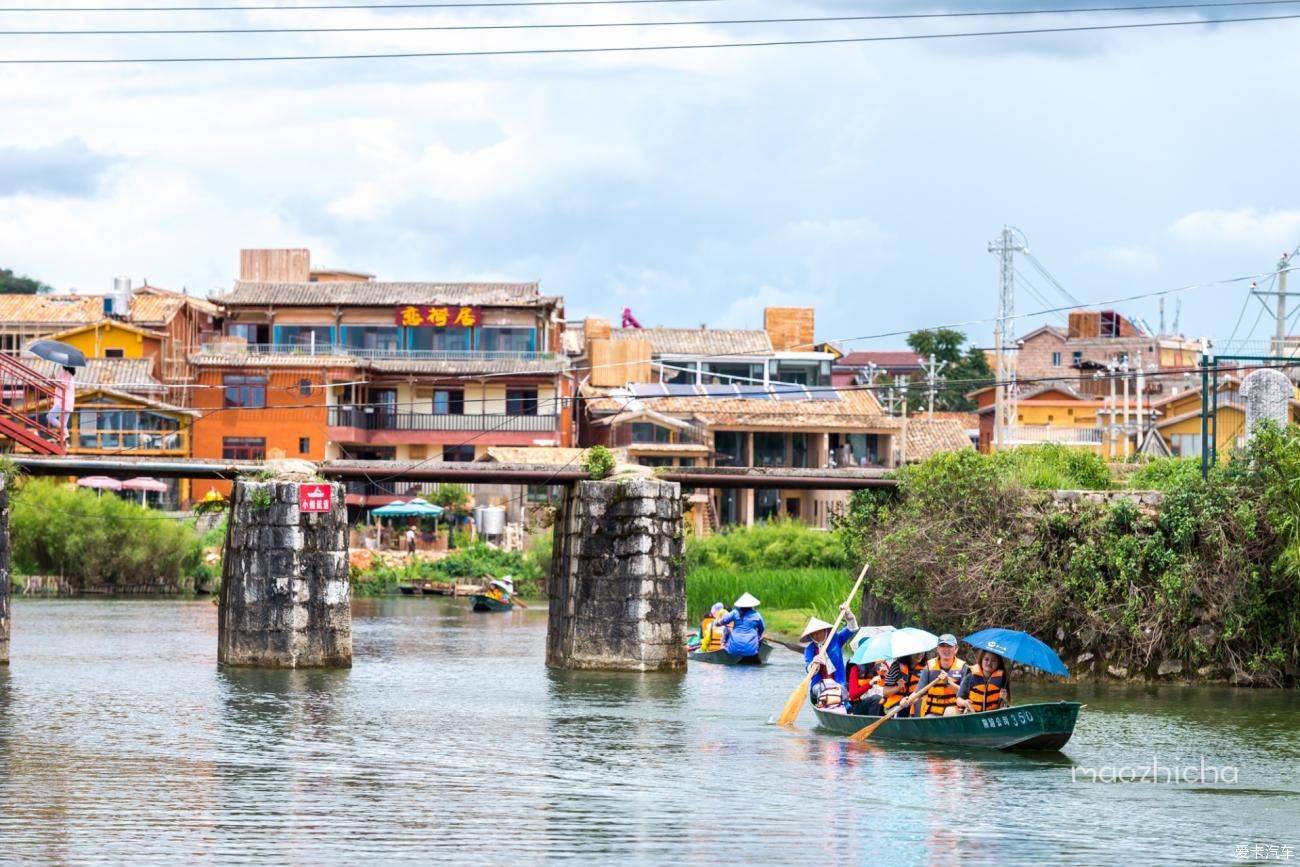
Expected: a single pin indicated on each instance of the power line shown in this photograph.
(351, 6)
(518, 52)
(420, 28)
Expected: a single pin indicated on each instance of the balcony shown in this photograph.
(1028, 434)
(377, 419)
(235, 346)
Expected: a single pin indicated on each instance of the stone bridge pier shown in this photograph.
(285, 598)
(617, 585)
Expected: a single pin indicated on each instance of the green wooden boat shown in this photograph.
(487, 603)
(1024, 727)
(721, 657)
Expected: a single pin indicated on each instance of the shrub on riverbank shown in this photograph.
(464, 565)
(772, 545)
(92, 539)
(1207, 582)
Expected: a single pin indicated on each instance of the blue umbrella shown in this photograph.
(896, 644)
(1019, 647)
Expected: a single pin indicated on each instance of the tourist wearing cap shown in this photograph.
(823, 653)
(948, 670)
(746, 627)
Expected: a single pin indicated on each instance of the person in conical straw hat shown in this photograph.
(823, 653)
(745, 627)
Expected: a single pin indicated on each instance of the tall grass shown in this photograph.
(1054, 467)
(773, 545)
(821, 589)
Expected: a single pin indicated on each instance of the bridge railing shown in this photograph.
(26, 399)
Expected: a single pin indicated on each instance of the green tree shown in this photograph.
(12, 284)
(965, 371)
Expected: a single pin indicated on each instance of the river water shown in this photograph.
(449, 740)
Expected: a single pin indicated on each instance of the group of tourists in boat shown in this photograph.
(944, 684)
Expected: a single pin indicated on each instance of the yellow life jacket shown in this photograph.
(710, 635)
(943, 696)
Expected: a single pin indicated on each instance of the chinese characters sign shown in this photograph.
(314, 498)
(438, 317)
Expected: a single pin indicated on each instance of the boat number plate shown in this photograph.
(1019, 718)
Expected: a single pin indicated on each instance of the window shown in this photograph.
(645, 432)
(1076, 358)
(245, 392)
(687, 374)
(521, 401)
(730, 373)
(769, 449)
(1056, 359)
(126, 428)
(654, 461)
(243, 448)
(507, 339)
(799, 449)
(453, 338)
(304, 337)
(449, 401)
(373, 338)
(304, 445)
(115, 353)
(461, 454)
(1122, 358)
(252, 334)
(686, 462)
(1187, 445)
(304, 387)
(730, 446)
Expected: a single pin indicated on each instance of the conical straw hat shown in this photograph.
(746, 601)
(814, 625)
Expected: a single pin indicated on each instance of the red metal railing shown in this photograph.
(26, 398)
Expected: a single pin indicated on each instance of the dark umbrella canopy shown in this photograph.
(60, 353)
(1019, 647)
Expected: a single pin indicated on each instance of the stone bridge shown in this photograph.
(617, 587)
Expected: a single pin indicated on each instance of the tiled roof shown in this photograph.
(857, 410)
(373, 294)
(926, 438)
(62, 311)
(889, 358)
(699, 341)
(123, 374)
(142, 400)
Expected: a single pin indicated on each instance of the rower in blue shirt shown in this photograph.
(831, 660)
(744, 627)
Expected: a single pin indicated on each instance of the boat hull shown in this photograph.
(1025, 727)
(721, 657)
(487, 603)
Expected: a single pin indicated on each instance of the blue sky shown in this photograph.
(694, 187)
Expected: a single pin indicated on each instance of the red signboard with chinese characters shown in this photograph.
(438, 317)
(316, 497)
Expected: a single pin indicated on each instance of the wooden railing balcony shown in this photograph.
(377, 419)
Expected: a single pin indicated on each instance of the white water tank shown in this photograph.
(118, 302)
(490, 520)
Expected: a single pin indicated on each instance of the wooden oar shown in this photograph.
(516, 600)
(799, 697)
(864, 733)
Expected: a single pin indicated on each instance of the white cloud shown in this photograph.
(1244, 229)
(1132, 258)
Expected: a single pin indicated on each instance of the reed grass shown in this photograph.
(810, 589)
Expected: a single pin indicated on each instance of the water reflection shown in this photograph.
(121, 741)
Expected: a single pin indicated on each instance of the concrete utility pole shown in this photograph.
(1141, 386)
(1124, 369)
(932, 379)
(1280, 313)
(1110, 370)
(1011, 241)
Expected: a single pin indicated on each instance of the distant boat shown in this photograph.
(489, 603)
(721, 657)
(1024, 727)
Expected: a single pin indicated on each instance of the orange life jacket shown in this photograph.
(943, 696)
(988, 691)
(909, 685)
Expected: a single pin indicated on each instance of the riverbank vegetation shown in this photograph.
(1204, 584)
(465, 565)
(89, 539)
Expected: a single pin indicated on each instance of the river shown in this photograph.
(449, 740)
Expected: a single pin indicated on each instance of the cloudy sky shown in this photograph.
(693, 186)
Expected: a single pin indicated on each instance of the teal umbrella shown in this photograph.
(422, 508)
(894, 645)
(395, 509)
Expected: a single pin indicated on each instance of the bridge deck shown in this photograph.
(442, 471)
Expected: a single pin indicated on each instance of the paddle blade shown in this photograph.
(795, 702)
(862, 734)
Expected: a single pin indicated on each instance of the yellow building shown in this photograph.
(1179, 421)
(112, 338)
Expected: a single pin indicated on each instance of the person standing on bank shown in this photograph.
(410, 540)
